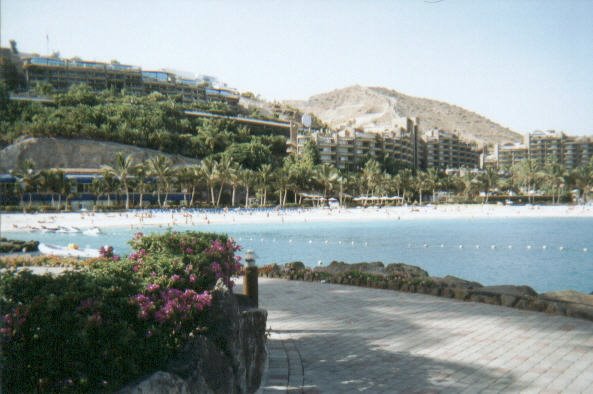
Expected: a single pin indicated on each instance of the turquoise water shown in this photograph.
(546, 254)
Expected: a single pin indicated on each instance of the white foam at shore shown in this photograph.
(139, 219)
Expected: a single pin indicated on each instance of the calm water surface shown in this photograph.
(546, 254)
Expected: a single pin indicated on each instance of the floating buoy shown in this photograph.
(310, 241)
(425, 245)
(528, 246)
(442, 245)
(585, 249)
(477, 246)
(460, 246)
(561, 248)
(510, 246)
(492, 247)
(339, 242)
(409, 245)
(290, 241)
(366, 244)
(326, 241)
(544, 247)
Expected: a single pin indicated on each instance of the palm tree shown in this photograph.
(433, 181)
(61, 186)
(234, 177)
(47, 183)
(265, 175)
(28, 179)
(140, 180)
(371, 175)
(527, 174)
(326, 175)
(405, 182)
(124, 166)
(223, 169)
(209, 168)
(341, 180)
(487, 180)
(555, 179)
(247, 180)
(161, 168)
(109, 184)
(583, 179)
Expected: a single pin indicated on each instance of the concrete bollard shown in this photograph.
(250, 285)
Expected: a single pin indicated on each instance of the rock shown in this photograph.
(340, 267)
(229, 358)
(158, 382)
(455, 282)
(405, 271)
(505, 295)
(209, 373)
(571, 303)
(294, 266)
(75, 153)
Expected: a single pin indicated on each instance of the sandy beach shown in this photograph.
(171, 218)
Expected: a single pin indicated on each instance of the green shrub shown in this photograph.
(114, 319)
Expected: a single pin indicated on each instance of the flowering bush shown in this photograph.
(113, 320)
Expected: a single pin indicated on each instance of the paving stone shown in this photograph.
(350, 339)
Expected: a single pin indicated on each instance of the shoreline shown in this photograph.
(27, 222)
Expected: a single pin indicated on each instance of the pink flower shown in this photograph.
(192, 278)
(152, 287)
(215, 267)
(135, 268)
(175, 278)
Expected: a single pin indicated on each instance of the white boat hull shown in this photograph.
(55, 250)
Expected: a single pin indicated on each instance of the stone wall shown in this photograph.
(403, 277)
(229, 359)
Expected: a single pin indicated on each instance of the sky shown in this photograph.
(527, 65)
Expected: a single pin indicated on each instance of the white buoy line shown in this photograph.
(424, 245)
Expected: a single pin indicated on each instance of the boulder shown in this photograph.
(570, 303)
(229, 358)
(294, 266)
(506, 295)
(405, 271)
(159, 382)
(457, 283)
(340, 267)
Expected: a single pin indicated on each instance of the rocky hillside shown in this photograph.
(377, 109)
(64, 153)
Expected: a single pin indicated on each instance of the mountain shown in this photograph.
(377, 109)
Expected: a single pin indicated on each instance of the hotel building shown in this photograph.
(22, 72)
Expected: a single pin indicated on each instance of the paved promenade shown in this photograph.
(343, 339)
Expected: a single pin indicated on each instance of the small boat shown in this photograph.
(68, 229)
(92, 231)
(71, 250)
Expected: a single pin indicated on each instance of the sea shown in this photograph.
(546, 254)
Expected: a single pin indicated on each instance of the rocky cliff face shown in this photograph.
(65, 153)
(377, 109)
(227, 361)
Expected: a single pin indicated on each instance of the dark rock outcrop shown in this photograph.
(409, 278)
(229, 359)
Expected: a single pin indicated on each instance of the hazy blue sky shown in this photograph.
(525, 64)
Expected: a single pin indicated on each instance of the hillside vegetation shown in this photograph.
(155, 121)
